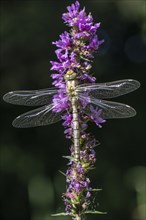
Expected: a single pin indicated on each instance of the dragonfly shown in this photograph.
(94, 94)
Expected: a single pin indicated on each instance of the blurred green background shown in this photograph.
(31, 185)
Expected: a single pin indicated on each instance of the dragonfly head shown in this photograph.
(70, 75)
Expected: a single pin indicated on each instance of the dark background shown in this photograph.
(30, 185)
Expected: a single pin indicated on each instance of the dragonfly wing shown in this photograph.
(30, 97)
(110, 109)
(109, 89)
(37, 117)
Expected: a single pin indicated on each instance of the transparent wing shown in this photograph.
(109, 89)
(109, 109)
(30, 97)
(37, 117)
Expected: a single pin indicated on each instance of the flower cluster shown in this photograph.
(75, 50)
(76, 194)
(75, 53)
(79, 192)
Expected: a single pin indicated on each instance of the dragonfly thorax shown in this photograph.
(71, 83)
(71, 88)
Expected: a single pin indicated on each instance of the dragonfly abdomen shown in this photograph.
(76, 127)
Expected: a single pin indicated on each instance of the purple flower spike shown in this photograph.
(75, 51)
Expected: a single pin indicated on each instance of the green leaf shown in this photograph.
(69, 158)
(95, 212)
(62, 173)
(85, 58)
(95, 190)
(91, 168)
(59, 214)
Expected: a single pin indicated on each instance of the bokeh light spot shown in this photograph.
(41, 192)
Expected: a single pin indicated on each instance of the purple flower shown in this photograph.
(76, 186)
(60, 101)
(57, 66)
(94, 43)
(67, 124)
(62, 55)
(88, 195)
(65, 41)
(96, 116)
(56, 76)
(59, 83)
(72, 13)
(87, 78)
(67, 119)
(80, 169)
(68, 133)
